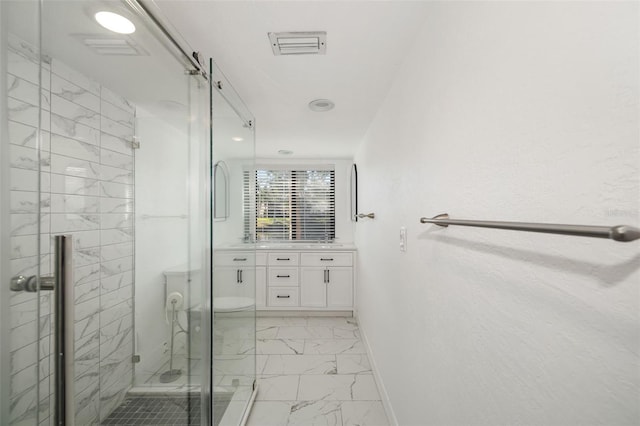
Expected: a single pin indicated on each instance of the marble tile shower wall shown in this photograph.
(86, 185)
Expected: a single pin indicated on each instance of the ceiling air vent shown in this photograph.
(111, 45)
(299, 43)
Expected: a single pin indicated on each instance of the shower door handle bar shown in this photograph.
(64, 336)
(32, 284)
(621, 233)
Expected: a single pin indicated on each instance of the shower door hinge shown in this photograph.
(135, 142)
(135, 359)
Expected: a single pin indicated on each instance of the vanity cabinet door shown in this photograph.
(229, 281)
(340, 287)
(313, 287)
(261, 287)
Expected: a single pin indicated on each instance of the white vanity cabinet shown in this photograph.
(234, 274)
(326, 280)
(261, 280)
(288, 279)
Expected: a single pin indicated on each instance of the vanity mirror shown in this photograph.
(221, 191)
(354, 193)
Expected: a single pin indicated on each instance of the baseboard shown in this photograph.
(386, 403)
(301, 313)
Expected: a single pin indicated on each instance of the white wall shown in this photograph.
(161, 242)
(506, 111)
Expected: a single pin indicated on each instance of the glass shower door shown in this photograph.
(26, 313)
(234, 272)
(105, 138)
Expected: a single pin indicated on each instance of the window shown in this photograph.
(290, 204)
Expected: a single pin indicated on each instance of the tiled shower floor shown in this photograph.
(165, 410)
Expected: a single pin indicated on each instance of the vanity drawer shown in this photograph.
(327, 259)
(235, 258)
(283, 259)
(283, 296)
(283, 276)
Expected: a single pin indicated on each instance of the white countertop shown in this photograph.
(289, 246)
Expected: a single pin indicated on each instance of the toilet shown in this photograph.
(177, 280)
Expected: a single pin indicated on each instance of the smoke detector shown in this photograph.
(299, 43)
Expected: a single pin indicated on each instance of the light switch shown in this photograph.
(403, 238)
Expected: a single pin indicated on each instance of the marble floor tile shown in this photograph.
(340, 387)
(315, 413)
(239, 365)
(305, 333)
(314, 371)
(233, 413)
(261, 360)
(363, 413)
(278, 388)
(300, 364)
(266, 332)
(282, 321)
(270, 413)
(353, 364)
(342, 322)
(280, 346)
(346, 333)
(333, 346)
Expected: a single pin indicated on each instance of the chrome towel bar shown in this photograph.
(622, 233)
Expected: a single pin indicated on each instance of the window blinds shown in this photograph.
(290, 204)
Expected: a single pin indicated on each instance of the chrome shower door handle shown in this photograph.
(61, 283)
(30, 284)
(64, 332)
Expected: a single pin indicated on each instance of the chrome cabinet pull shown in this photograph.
(283, 258)
(239, 259)
(283, 276)
(328, 277)
(330, 259)
(283, 297)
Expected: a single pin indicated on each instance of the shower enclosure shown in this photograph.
(106, 192)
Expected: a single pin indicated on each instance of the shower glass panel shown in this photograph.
(105, 138)
(25, 316)
(234, 273)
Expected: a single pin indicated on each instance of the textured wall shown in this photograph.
(86, 191)
(506, 111)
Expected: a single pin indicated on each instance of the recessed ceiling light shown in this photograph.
(114, 22)
(237, 139)
(321, 105)
(285, 152)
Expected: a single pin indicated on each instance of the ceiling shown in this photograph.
(366, 42)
